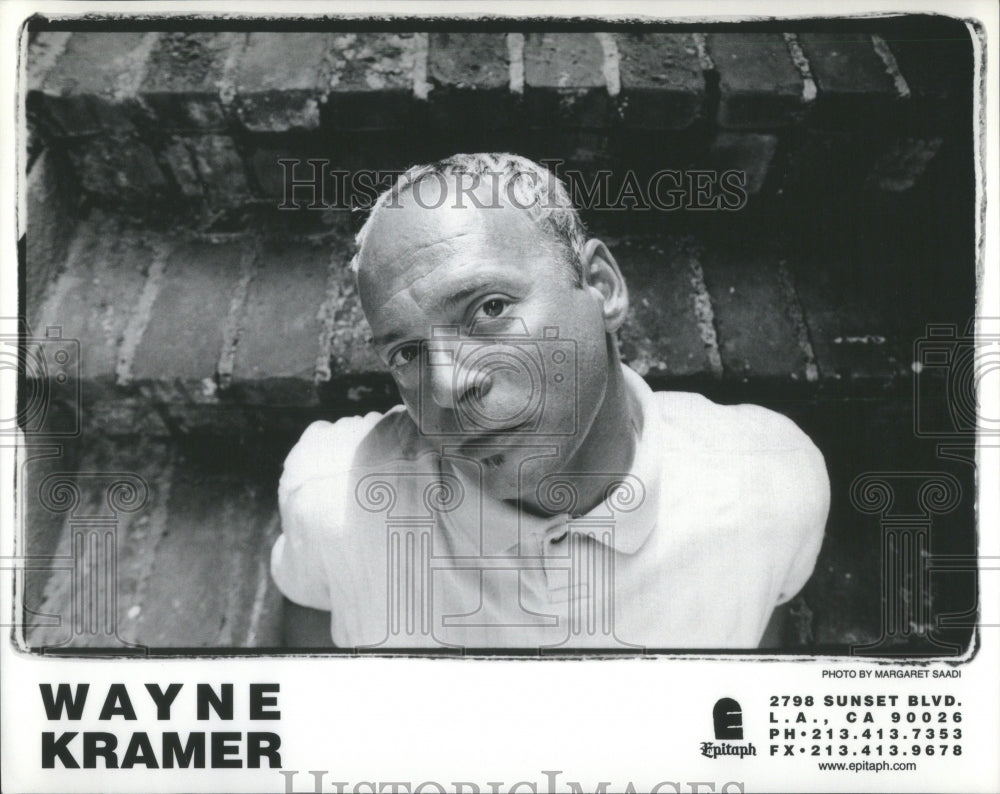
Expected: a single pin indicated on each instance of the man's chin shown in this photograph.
(512, 475)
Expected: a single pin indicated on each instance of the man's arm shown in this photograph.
(304, 627)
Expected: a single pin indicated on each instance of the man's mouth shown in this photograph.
(490, 442)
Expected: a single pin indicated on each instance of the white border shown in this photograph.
(447, 720)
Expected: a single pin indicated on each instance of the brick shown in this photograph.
(759, 86)
(97, 293)
(269, 174)
(281, 80)
(371, 81)
(937, 68)
(122, 170)
(182, 167)
(585, 150)
(187, 78)
(93, 85)
(184, 333)
(208, 166)
(747, 152)
(134, 542)
(471, 61)
(755, 319)
(470, 78)
(92, 302)
(903, 163)
(122, 413)
(276, 355)
(660, 338)
(854, 339)
(43, 51)
(210, 565)
(50, 224)
(838, 161)
(853, 87)
(564, 82)
(362, 155)
(661, 80)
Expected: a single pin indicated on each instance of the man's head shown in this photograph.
(493, 312)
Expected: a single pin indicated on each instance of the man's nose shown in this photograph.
(452, 384)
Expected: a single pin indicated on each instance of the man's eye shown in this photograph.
(403, 355)
(494, 307)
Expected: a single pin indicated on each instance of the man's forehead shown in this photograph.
(418, 229)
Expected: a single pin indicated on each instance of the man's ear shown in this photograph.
(602, 276)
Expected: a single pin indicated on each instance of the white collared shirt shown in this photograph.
(719, 520)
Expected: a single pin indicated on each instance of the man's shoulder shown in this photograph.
(333, 450)
(760, 451)
(752, 470)
(692, 420)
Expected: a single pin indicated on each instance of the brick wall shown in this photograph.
(200, 305)
(199, 120)
(189, 305)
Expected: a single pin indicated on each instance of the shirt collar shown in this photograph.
(489, 527)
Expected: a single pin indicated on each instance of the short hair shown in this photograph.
(526, 184)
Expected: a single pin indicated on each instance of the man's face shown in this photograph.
(498, 351)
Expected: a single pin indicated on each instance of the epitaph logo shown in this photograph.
(727, 718)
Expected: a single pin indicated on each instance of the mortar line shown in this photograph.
(233, 327)
(421, 47)
(134, 68)
(142, 313)
(611, 66)
(704, 314)
(515, 62)
(790, 297)
(42, 64)
(891, 67)
(801, 62)
(226, 84)
(704, 59)
(326, 317)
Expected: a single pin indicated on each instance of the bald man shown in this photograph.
(531, 492)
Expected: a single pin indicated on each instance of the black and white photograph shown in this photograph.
(516, 339)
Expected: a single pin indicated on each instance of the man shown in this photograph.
(533, 492)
